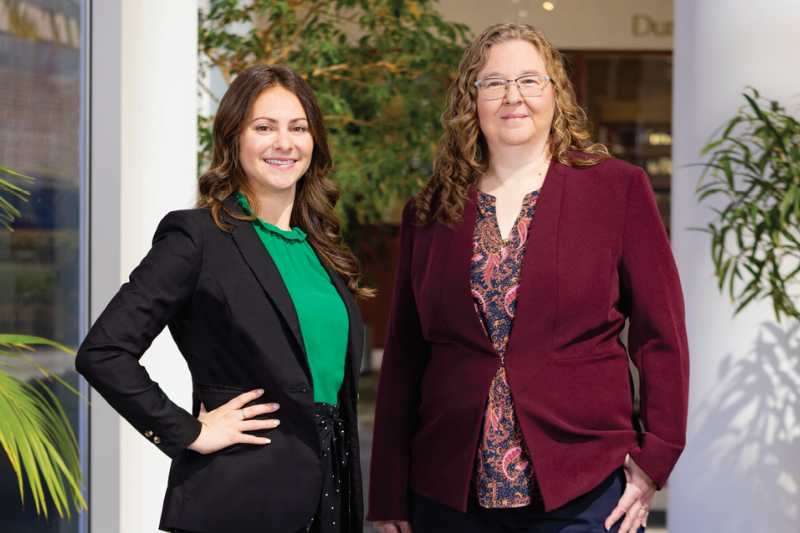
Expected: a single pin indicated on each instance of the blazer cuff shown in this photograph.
(388, 501)
(397, 511)
(174, 436)
(656, 457)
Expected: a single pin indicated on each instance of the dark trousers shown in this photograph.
(303, 530)
(584, 514)
(185, 531)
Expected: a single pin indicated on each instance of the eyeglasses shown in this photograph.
(495, 88)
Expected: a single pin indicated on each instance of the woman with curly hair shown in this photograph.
(505, 400)
(257, 289)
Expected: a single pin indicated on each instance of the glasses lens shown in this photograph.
(532, 85)
(492, 88)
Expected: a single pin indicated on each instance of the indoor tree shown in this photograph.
(380, 69)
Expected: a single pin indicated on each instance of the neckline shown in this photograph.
(293, 234)
(487, 202)
(537, 192)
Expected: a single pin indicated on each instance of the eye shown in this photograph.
(493, 84)
(263, 127)
(299, 129)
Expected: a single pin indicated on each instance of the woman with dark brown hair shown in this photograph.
(505, 400)
(257, 289)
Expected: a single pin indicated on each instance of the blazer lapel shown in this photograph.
(266, 271)
(457, 281)
(534, 320)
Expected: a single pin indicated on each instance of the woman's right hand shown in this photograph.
(393, 526)
(225, 425)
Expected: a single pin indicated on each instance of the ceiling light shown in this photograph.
(548, 6)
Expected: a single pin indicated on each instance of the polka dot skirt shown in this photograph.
(333, 515)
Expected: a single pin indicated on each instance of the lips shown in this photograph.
(280, 161)
(513, 116)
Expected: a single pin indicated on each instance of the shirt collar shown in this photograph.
(294, 234)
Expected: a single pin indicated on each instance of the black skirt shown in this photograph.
(333, 514)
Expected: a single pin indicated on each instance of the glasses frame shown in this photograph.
(547, 80)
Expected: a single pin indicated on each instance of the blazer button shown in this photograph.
(157, 440)
(148, 433)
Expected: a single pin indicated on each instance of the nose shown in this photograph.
(283, 140)
(513, 96)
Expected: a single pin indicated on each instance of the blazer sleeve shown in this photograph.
(405, 356)
(109, 356)
(657, 341)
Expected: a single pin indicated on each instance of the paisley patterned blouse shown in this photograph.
(503, 472)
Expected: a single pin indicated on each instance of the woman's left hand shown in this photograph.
(635, 501)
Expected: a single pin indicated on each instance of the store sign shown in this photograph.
(646, 26)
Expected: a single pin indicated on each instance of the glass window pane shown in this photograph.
(628, 100)
(40, 87)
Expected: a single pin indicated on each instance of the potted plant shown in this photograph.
(753, 173)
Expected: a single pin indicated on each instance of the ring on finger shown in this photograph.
(644, 508)
(244, 417)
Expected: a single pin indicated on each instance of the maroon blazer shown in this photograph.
(597, 254)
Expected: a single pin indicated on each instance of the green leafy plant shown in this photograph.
(7, 211)
(380, 69)
(34, 429)
(754, 173)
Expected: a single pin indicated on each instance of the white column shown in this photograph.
(740, 472)
(144, 142)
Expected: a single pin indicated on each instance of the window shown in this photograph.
(40, 267)
(628, 98)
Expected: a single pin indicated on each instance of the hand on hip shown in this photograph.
(225, 425)
(635, 502)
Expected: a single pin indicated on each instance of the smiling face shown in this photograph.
(515, 120)
(276, 145)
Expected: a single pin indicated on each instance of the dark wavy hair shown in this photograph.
(316, 195)
(463, 154)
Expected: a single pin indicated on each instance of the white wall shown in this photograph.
(143, 165)
(741, 468)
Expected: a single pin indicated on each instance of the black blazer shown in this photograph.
(233, 320)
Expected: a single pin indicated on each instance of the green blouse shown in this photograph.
(323, 317)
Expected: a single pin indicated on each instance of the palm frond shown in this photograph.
(7, 211)
(35, 432)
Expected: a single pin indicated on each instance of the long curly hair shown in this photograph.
(316, 195)
(463, 154)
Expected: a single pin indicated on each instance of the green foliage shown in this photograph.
(35, 431)
(380, 69)
(754, 166)
(7, 211)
